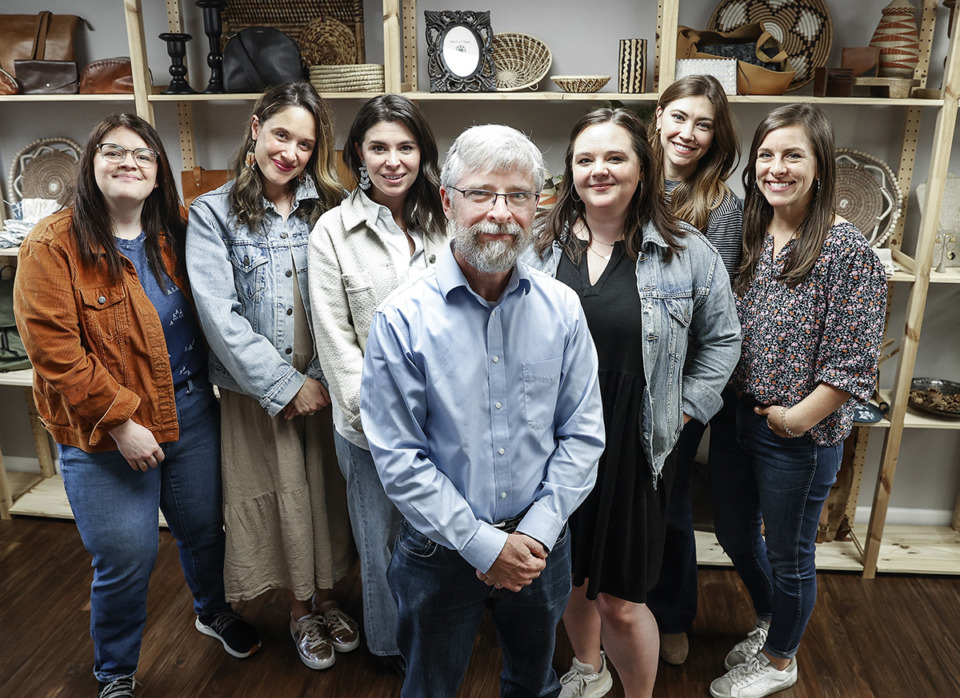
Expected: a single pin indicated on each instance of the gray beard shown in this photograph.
(495, 256)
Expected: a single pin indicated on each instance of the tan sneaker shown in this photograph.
(313, 645)
(341, 628)
(674, 648)
(585, 681)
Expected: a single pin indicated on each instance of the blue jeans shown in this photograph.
(115, 508)
(783, 483)
(442, 604)
(375, 522)
(673, 601)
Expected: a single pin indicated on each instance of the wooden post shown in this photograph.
(392, 47)
(142, 86)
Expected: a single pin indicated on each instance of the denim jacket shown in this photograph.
(689, 296)
(244, 297)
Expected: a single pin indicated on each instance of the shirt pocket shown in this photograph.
(104, 312)
(679, 313)
(360, 298)
(541, 384)
(250, 270)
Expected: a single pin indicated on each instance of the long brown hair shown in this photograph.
(757, 213)
(695, 197)
(246, 196)
(423, 208)
(647, 205)
(161, 213)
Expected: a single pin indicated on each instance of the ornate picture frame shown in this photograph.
(460, 51)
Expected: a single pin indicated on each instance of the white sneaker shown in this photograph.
(583, 681)
(747, 649)
(754, 679)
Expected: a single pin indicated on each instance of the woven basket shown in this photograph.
(580, 83)
(867, 194)
(50, 175)
(356, 77)
(293, 16)
(326, 41)
(29, 153)
(520, 60)
(803, 27)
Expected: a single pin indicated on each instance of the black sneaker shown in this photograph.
(118, 688)
(239, 638)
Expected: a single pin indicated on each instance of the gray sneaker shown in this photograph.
(756, 678)
(583, 681)
(118, 688)
(747, 649)
(313, 645)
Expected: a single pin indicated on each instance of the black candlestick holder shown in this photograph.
(177, 49)
(213, 28)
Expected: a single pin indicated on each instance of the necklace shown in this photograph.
(604, 257)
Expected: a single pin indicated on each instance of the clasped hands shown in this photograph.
(521, 560)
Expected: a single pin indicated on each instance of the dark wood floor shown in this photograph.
(892, 636)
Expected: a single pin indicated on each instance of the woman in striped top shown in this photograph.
(697, 148)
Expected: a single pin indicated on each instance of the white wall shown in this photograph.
(583, 38)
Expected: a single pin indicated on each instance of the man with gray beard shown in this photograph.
(481, 405)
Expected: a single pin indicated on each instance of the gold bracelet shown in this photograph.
(783, 423)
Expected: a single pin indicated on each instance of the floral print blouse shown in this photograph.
(827, 329)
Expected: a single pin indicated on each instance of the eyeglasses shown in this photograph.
(517, 201)
(115, 154)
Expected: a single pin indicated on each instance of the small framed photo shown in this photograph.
(459, 51)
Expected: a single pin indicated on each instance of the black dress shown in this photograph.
(617, 534)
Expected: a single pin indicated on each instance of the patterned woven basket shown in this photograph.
(580, 83)
(520, 60)
(867, 194)
(326, 41)
(293, 16)
(803, 27)
(356, 77)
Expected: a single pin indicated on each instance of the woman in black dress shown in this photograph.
(647, 281)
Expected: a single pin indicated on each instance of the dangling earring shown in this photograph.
(251, 159)
(816, 191)
(658, 128)
(364, 177)
(573, 195)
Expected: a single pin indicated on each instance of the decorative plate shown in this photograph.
(935, 396)
(33, 151)
(868, 195)
(803, 27)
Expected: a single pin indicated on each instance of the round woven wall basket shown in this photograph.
(868, 195)
(23, 184)
(803, 27)
(356, 77)
(325, 41)
(50, 176)
(521, 61)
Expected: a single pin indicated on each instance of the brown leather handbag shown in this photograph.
(199, 181)
(107, 76)
(47, 77)
(8, 84)
(43, 36)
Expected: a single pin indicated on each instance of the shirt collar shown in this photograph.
(305, 190)
(450, 276)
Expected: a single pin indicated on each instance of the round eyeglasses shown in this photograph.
(517, 201)
(115, 154)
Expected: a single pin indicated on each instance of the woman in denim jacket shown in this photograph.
(284, 497)
(386, 231)
(103, 306)
(647, 282)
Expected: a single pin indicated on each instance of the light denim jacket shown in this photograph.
(244, 297)
(688, 296)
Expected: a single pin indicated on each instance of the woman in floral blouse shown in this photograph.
(811, 296)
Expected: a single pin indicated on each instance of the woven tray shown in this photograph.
(32, 151)
(868, 194)
(521, 61)
(293, 16)
(803, 27)
(356, 77)
(50, 176)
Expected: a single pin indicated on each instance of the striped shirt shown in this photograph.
(724, 228)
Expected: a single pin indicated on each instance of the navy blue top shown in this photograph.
(184, 346)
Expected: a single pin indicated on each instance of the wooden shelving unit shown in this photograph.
(873, 547)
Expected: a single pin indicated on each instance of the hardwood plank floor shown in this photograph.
(891, 636)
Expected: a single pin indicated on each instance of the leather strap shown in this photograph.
(248, 66)
(40, 35)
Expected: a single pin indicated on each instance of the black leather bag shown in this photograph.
(258, 57)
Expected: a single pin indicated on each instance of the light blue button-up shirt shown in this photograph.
(476, 412)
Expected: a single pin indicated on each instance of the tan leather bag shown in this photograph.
(752, 79)
(43, 36)
(107, 76)
(199, 181)
(8, 85)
